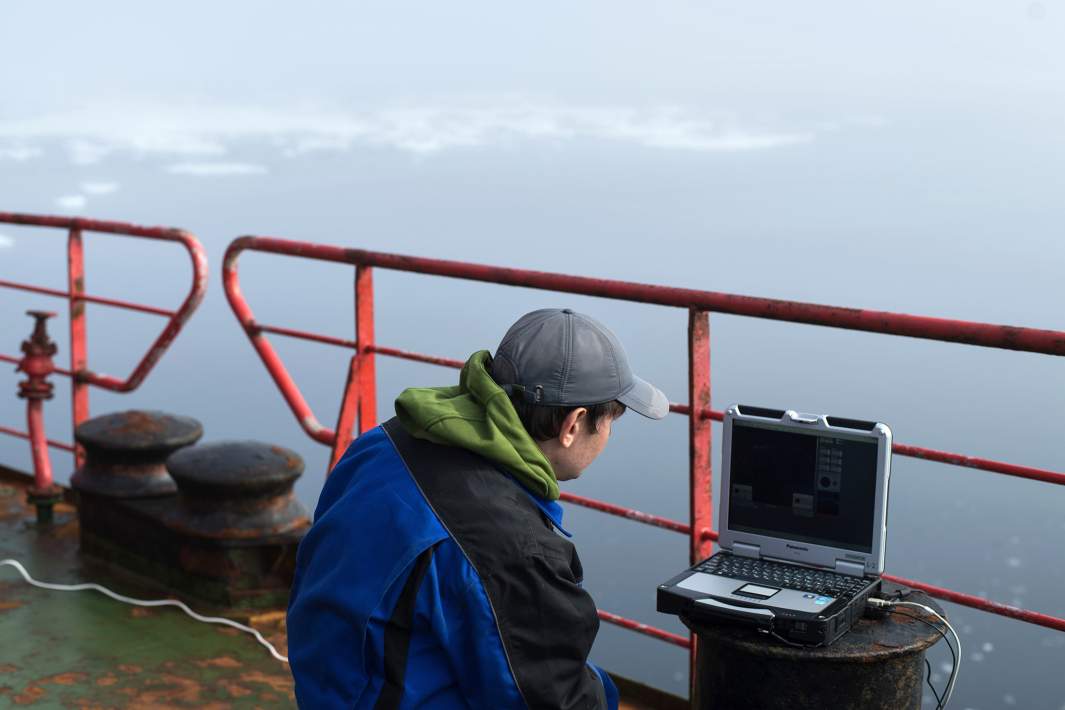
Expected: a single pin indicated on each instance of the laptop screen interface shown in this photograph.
(803, 487)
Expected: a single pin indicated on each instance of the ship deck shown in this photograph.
(84, 650)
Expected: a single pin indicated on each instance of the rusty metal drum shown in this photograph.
(877, 665)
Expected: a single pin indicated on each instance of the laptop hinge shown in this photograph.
(744, 550)
(850, 568)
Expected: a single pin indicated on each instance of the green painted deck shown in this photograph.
(85, 650)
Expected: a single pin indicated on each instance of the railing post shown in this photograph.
(37, 363)
(700, 467)
(349, 407)
(79, 390)
(364, 335)
(360, 390)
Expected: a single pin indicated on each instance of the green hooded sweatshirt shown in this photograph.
(478, 415)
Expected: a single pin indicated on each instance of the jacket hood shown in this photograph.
(478, 415)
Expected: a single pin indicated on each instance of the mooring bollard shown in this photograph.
(877, 665)
(37, 363)
(126, 452)
(236, 490)
(236, 523)
(125, 462)
(218, 523)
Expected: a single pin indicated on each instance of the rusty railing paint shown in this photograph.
(82, 377)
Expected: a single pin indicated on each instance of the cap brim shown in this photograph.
(646, 399)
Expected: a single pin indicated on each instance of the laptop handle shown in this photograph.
(741, 612)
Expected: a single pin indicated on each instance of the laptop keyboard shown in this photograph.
(804, 579)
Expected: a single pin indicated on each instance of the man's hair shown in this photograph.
(544, 423)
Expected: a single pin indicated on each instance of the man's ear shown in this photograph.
(571, 426)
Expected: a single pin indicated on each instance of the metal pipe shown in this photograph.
(274, 366)
(629, 513)
(417, 357)
(1008, 469)
(1050, 342)
(1032, 617)
(1008, 336)
(75, 296)
(25, 435)
(76, 226)
(706, 412)
(359, 403)
(364, 335)
(17, 360)
(349, 412)
(304, 335)
(984, 464)
(700, 463)
(42, 463)
(79, 356)
(645, 629)
(197, 290)
(701, 489)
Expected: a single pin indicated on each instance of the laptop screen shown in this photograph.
(812, 487)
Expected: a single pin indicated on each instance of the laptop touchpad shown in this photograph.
(755, 591)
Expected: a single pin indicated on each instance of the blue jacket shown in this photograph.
(431, 579)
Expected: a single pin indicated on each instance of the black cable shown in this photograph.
(953, 656)
(928, 679)
(902, 594)
(775, 635)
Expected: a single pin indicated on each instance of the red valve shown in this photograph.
(37, 363)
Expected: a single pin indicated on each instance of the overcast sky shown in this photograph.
(781, 63)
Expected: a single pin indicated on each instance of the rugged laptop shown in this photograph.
(803, 521)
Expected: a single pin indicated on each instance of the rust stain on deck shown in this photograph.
(31, 694)
(234, 689)
(282, 684)
(220, 662)
(174, 689)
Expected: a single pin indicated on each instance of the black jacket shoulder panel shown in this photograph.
(532, 575)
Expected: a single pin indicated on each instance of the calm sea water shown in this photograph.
(945, 218)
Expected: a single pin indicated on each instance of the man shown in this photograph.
(437, 573)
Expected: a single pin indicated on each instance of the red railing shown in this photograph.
(359, 399)
(82, 377)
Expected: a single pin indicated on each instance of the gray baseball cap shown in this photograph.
(559, 358)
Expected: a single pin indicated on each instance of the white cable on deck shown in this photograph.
(145, 602)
